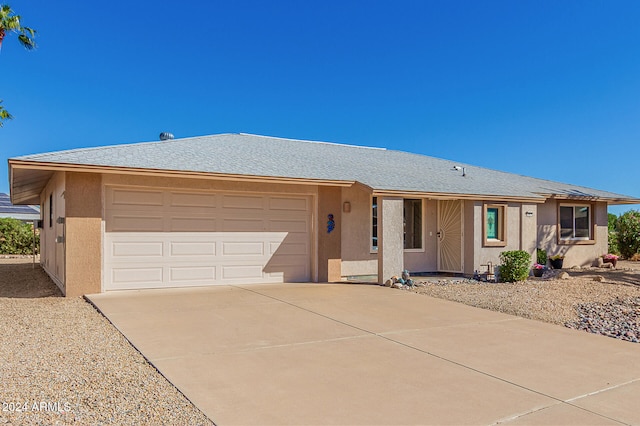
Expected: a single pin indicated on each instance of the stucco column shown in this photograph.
(390, 238)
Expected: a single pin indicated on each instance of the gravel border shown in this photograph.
(63, 362)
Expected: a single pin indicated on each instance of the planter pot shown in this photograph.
(538, 272)
(556, 263)
(614, 261)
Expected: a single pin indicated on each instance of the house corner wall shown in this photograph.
(83, 196)
(329, 243)
(52, 249)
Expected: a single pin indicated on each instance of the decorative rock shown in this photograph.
(396, 285)
(564, 276)
(388, 283)
(599, 279)
(576, 267)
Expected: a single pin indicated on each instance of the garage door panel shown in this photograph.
(242, 225)
(255, 202)
(134, 222)
(243, 248)
(199, 202)
(288, 204)
(124, 277)
(192, 224)
(290, 226)
(288, 248)
(192, 248)
(134, 198)
(188, 274)
(241, 239)
(245, 272)
(137, 249)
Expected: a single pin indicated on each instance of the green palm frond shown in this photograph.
(4, 114)
(10, 22)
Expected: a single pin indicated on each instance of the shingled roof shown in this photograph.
(269, 157)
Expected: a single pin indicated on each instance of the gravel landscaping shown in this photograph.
(603, 301)
(62, 362)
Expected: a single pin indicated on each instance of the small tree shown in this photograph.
(628, 225)
(10, 23)
(612, 225)
(515, 265)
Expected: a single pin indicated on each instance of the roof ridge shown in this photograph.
(310, 141)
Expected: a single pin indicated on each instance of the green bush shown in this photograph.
(628, 225)
(515, 265)
(541, 256)
(16, 237)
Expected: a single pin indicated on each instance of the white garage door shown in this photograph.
(172, 238)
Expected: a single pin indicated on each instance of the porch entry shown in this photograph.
(450, 236)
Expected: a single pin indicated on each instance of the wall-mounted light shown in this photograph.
(346, 207)
(528, 214)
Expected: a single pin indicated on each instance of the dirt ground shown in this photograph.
(20, 278)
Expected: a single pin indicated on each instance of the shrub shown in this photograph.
(16, 237)
(541, 256)
(628, 225)
(515, 265)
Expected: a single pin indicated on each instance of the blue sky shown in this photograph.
(549, 89)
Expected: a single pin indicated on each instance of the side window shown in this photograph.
(575, 222)
(50, 210)
(495, 219)
(374, 224)
(412, 224)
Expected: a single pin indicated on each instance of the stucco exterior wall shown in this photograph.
(520, 232)
(580, 254)
(357, 257)
(329, 243)
(83, 243)
(390, 238)
(52, 253)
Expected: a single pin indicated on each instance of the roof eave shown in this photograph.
(28, 192)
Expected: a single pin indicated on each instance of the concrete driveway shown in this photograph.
(361, 354)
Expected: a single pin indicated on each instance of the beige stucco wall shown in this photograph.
(83, 196)
(390, 238)
(52, 257)
(521, 234)
(329, 244)
(575, 254)
(357, 257)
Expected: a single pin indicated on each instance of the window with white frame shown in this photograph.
(575, 222)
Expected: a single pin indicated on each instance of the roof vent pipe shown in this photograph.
(165, 136)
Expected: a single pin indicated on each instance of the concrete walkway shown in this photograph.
(361, 354)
